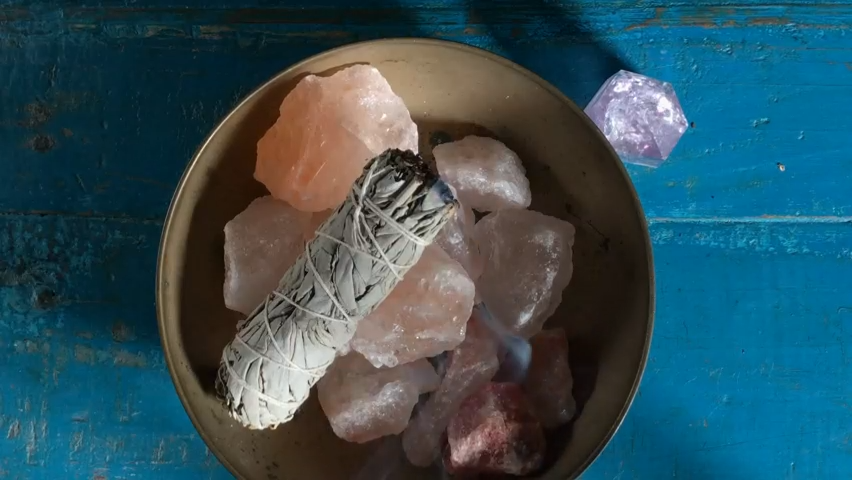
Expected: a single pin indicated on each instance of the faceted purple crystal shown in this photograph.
(640, 116)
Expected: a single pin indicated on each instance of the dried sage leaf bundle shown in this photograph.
(358, 256)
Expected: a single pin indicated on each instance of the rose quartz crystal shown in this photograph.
(315, 222)
(456, 238)
(528, 264)
(487, 175)
(470, 366)
(327, 130)
(363, 403)
(260, 245)
(424, 315)
(549, 382)
(495, 432)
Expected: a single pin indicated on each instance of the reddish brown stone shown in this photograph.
(549, 382)
(495, 432)
(470, 366)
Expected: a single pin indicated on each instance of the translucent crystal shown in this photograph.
(456, 238)
(425, 315)
(640, 116)
(487, 175)
(363, 403)
(470, 366)
(528, 265)
(514, 352)
(549, 382)
(260, 245)
(495, 432)
(315, 222)
(327, 130)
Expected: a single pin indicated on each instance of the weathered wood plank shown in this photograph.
(111, 138)
(750, 338)
(749, 370)
(86, 391)
(102, 105)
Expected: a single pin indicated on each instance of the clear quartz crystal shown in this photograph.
(486, 173)
(456, 238)
(640, 116)
(470, 366)
(528, 264)
(327, 130)
(363, 403)
(424, 315)
(261, 243)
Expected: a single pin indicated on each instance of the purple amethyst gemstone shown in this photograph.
(640, 116)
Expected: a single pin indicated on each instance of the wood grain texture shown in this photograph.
(86, 391)
(749, 367)
(104, 102)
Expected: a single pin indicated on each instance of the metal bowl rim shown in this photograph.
(164, 239)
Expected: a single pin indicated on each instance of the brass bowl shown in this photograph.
(452, 90)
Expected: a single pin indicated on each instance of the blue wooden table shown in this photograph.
(102, 103)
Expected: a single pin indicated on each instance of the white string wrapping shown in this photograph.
(359, 254)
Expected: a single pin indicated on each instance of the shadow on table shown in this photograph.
(551, 40)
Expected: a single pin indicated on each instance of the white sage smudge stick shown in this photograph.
(357, 257)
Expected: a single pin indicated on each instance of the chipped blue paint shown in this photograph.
(107, 100)
(86, 390)
(749, 368)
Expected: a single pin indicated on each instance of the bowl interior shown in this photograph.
(452, 91)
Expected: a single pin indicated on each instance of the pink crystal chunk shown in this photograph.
(549, 382)
(495, 432)
(260, 245)
(426, 314)
(528, 264)
(327, 130)
(315, 222)
(640, 116)
(470, 366)
(456, 238)
(363, 403)
(487, 175)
